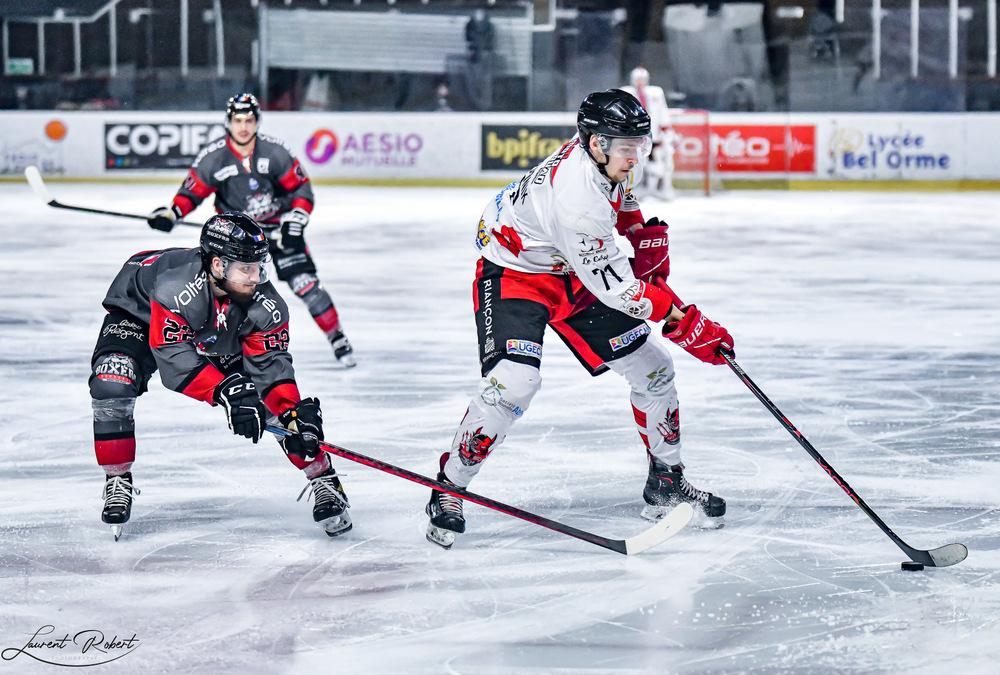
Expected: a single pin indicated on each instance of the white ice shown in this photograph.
(871, 320)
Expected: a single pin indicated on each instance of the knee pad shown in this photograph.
(504, 394)
(115, 376)
(304, 284)
(649, 370)
(508, 389)
(309, 289)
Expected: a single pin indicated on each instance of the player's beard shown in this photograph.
(239, 294)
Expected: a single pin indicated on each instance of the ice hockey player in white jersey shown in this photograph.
(659, 179)
(550, 258)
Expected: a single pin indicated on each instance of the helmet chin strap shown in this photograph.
(601, 166)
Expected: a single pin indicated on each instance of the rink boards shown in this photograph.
(801, 150)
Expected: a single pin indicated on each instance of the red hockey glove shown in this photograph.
(652, 255)
(699, 336)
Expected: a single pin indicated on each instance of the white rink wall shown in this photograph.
(819, 150)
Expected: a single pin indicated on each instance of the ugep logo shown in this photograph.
(321, 146)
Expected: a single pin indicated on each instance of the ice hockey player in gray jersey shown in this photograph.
(216, 329)
(549, 257)
(258, 174)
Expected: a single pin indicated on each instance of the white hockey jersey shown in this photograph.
(560, 218)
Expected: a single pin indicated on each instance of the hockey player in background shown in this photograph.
(549, 257)
(216, 329)
(258, 175)
(659, 177)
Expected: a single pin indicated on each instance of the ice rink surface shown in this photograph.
(871, 320)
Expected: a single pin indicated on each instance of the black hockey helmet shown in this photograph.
(234, 237)
(613, 113)
(242, 104)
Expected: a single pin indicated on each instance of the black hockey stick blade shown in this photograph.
(668, 526)
(34, 177)
(945, 556)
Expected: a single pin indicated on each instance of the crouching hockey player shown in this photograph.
(258, 175)
(549, 257)
(216, 329)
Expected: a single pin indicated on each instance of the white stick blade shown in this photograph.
(34, 177)
(668, 526)
(949, 555)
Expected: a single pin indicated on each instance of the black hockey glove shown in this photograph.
(245, 412)
(305, 420)
(163, 218)
(293, 224)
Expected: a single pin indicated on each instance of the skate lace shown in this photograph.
(450, 503)
(324, 490)
(118, 491)
(692, 491)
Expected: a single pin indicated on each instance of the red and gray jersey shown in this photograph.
(191, 332)
(560, 218)
(264, 185)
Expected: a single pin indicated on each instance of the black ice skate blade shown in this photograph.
(339, 532)
(117, 530)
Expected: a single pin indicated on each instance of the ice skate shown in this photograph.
(446, 517)
(331, 510)
(117, 494)
(666, 487)
(343, 352)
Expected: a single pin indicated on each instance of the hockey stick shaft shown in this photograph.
(918, 555)
(616, 545)
(38, 185)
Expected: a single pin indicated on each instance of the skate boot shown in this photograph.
(330, 505)
(666, 487)
(343, 352)
(118, 491)
(446, 516)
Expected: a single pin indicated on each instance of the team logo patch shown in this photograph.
(263, 164)
(524, 348)
(482, 237)
(625, 339)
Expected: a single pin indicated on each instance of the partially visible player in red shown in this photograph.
(550, 258)
(208, 319)
(258, 175)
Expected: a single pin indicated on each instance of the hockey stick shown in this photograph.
(949, 554)
(38, 186)
(668, 526)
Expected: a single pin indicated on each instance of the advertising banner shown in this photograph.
(519, 147)
(740, 148)
(901, 147)
(156, 144)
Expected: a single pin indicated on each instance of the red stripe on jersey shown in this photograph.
(645, 439)
(196, 186)
(302, 203)
(328, 321)
(564, 152)
(294, 177)
(261, 342)
(115, 451)
(282, 397)
(183, 204)
(202, 386)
